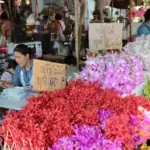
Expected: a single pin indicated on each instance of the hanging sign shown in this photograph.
(48, 76)
(104, 36)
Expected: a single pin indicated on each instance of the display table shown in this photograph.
(15, 102)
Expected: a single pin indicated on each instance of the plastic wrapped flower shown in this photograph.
(119, 72)
(140, 47)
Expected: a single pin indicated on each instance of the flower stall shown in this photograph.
(100, 110)
(81, 116)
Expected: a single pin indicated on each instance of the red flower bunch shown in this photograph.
(137, 12)
(53, 115)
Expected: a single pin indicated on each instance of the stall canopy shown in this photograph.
(121, 4)
(124, 4)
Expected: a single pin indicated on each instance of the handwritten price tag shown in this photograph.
(48, 76)
(104, 36)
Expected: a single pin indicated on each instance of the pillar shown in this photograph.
(40, 5)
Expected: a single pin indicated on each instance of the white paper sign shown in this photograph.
(104, 36)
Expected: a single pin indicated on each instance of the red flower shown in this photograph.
(53, 115)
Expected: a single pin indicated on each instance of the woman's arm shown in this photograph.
(5, 84)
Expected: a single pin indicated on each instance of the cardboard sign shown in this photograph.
(48, 76)
(104, 36)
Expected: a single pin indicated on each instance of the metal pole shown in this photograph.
(101, 6)
(130, 19)
(76, 8)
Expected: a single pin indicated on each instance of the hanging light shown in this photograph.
(1, 1)
(27, 2)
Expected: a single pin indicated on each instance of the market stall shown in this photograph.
(68, 118)
(103, 109)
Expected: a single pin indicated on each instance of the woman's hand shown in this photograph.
(5, 84)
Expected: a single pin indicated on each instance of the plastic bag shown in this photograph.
(17, 93)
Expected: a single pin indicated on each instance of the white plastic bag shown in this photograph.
(17, 93)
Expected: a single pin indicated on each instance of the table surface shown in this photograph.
(15, 105)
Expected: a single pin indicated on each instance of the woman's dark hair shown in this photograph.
(58, 17)
(24, 50)
(12, 64)
(147, 15)
(4, 16)
(70, 60)
(45, 17)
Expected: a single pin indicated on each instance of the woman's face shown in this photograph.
(21, 59)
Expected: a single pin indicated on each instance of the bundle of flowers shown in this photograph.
(120, 72)
(141, 48)
(87, 138)
(137, 12)
(82, 115)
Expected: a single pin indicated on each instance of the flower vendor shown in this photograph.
(144, 29)
(23, 73)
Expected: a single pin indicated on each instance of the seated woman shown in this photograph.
(144, 29)
(23, 73)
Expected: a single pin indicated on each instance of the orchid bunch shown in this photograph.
(93, 137)
(87, 138)
(141, 48)
(119, 72)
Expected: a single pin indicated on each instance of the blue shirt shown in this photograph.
(144, 29)
(22, 77)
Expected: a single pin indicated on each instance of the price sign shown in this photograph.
(48, 76)
(104, 36)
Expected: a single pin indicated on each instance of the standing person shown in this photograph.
(144, 29)
(6, 26)
(23, 73)
(18, 32)
(59, 26)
